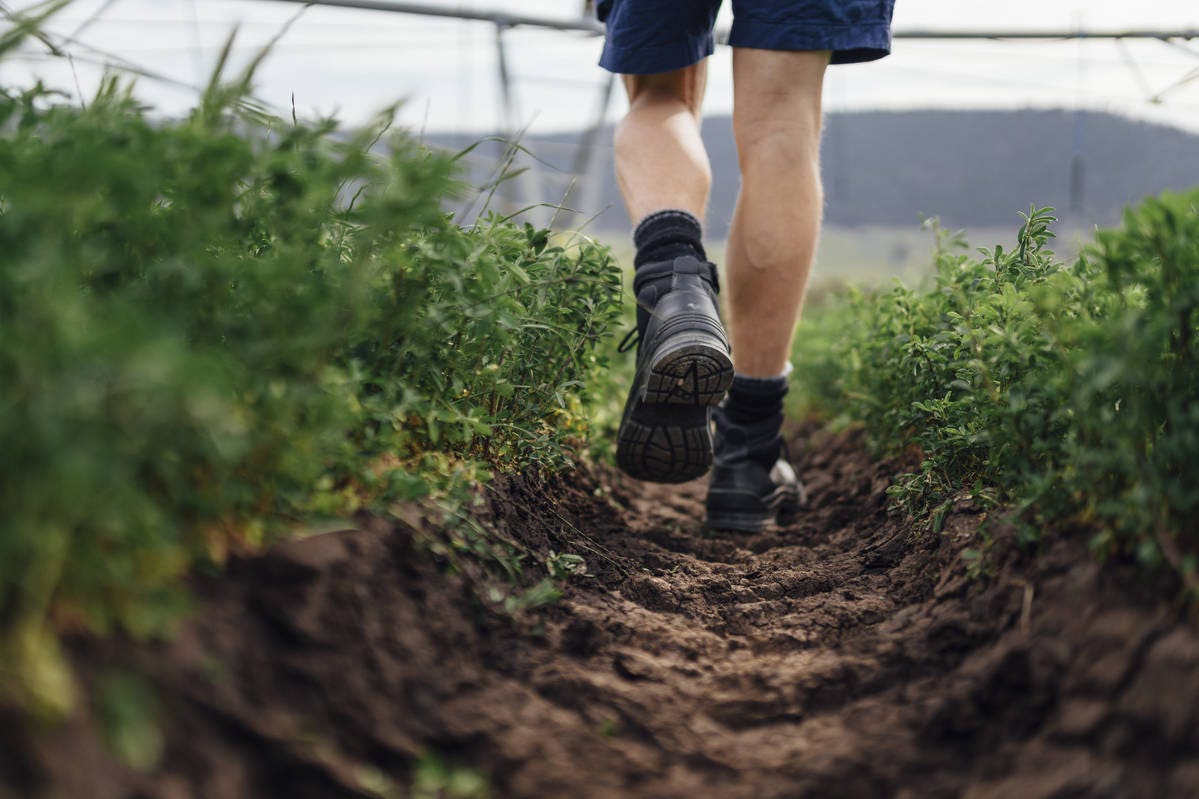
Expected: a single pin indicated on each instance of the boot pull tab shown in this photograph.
(690, 265)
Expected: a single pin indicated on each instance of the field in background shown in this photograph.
(877, 254)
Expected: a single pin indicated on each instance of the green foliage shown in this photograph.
(213, 333)
(433, 777)
(1134, 384)
(493, 366)
(128, 718)
(610, 385)
(564, 565)
(1069, 390)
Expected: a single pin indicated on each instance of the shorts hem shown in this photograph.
(659, 58)
(850, 43)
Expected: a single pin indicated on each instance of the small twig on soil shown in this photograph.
(588, 543)
(1026, 608)
(593, 545)
(1025, 603)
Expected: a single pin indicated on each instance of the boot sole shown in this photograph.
(695, 373)
(665, 436)
(781, 508)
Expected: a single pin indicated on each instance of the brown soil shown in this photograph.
(846, 656)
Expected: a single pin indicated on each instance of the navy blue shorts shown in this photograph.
(648, 36)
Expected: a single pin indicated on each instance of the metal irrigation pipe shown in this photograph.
(584, 25)
(500, 18)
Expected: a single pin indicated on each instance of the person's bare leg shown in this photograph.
(660, 157)
(776, 120)
(683, 363)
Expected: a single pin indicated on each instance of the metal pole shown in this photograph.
(507, 102)
(496, 17)
(584, 25)
(585, 171)
(528, 190)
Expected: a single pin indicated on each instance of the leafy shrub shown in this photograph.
(1069, 390)
(1133, 383)
(493, 364)
(214, 330)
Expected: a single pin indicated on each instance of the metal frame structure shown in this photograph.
(584, 161)
(583, 25)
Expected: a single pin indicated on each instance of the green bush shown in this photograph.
(216, 330)
(1069, 390)
(1133, 382)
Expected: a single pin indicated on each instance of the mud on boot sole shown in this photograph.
(666, 436)
(663, 443)
(695, 373)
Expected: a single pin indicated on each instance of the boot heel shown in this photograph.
(698, 371)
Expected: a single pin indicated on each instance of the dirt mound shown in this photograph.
(843, 657)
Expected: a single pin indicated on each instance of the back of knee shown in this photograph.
(684, 87)
(780, 143)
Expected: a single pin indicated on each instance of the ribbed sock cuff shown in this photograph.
(668, 234)
(756, 399)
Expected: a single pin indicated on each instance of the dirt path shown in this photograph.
(843, 657)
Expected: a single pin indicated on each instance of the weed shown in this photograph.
(564, 565)
(1065, 391)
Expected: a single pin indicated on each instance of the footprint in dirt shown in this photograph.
(849, 654)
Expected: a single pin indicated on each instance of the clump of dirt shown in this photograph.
(846, 655)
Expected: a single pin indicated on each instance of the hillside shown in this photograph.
(889, 168)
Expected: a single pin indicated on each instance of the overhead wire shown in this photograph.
(1180, 46)
(56, 43)
(109, 59)
(93, 18)
(1188, 78)
(1133, 67)
(108, 64)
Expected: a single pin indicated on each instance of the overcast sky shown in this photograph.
(353, 62)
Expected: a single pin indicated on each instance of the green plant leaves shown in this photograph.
(212, 333)
(1070, 391)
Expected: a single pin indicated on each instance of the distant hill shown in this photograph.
(971, 168)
